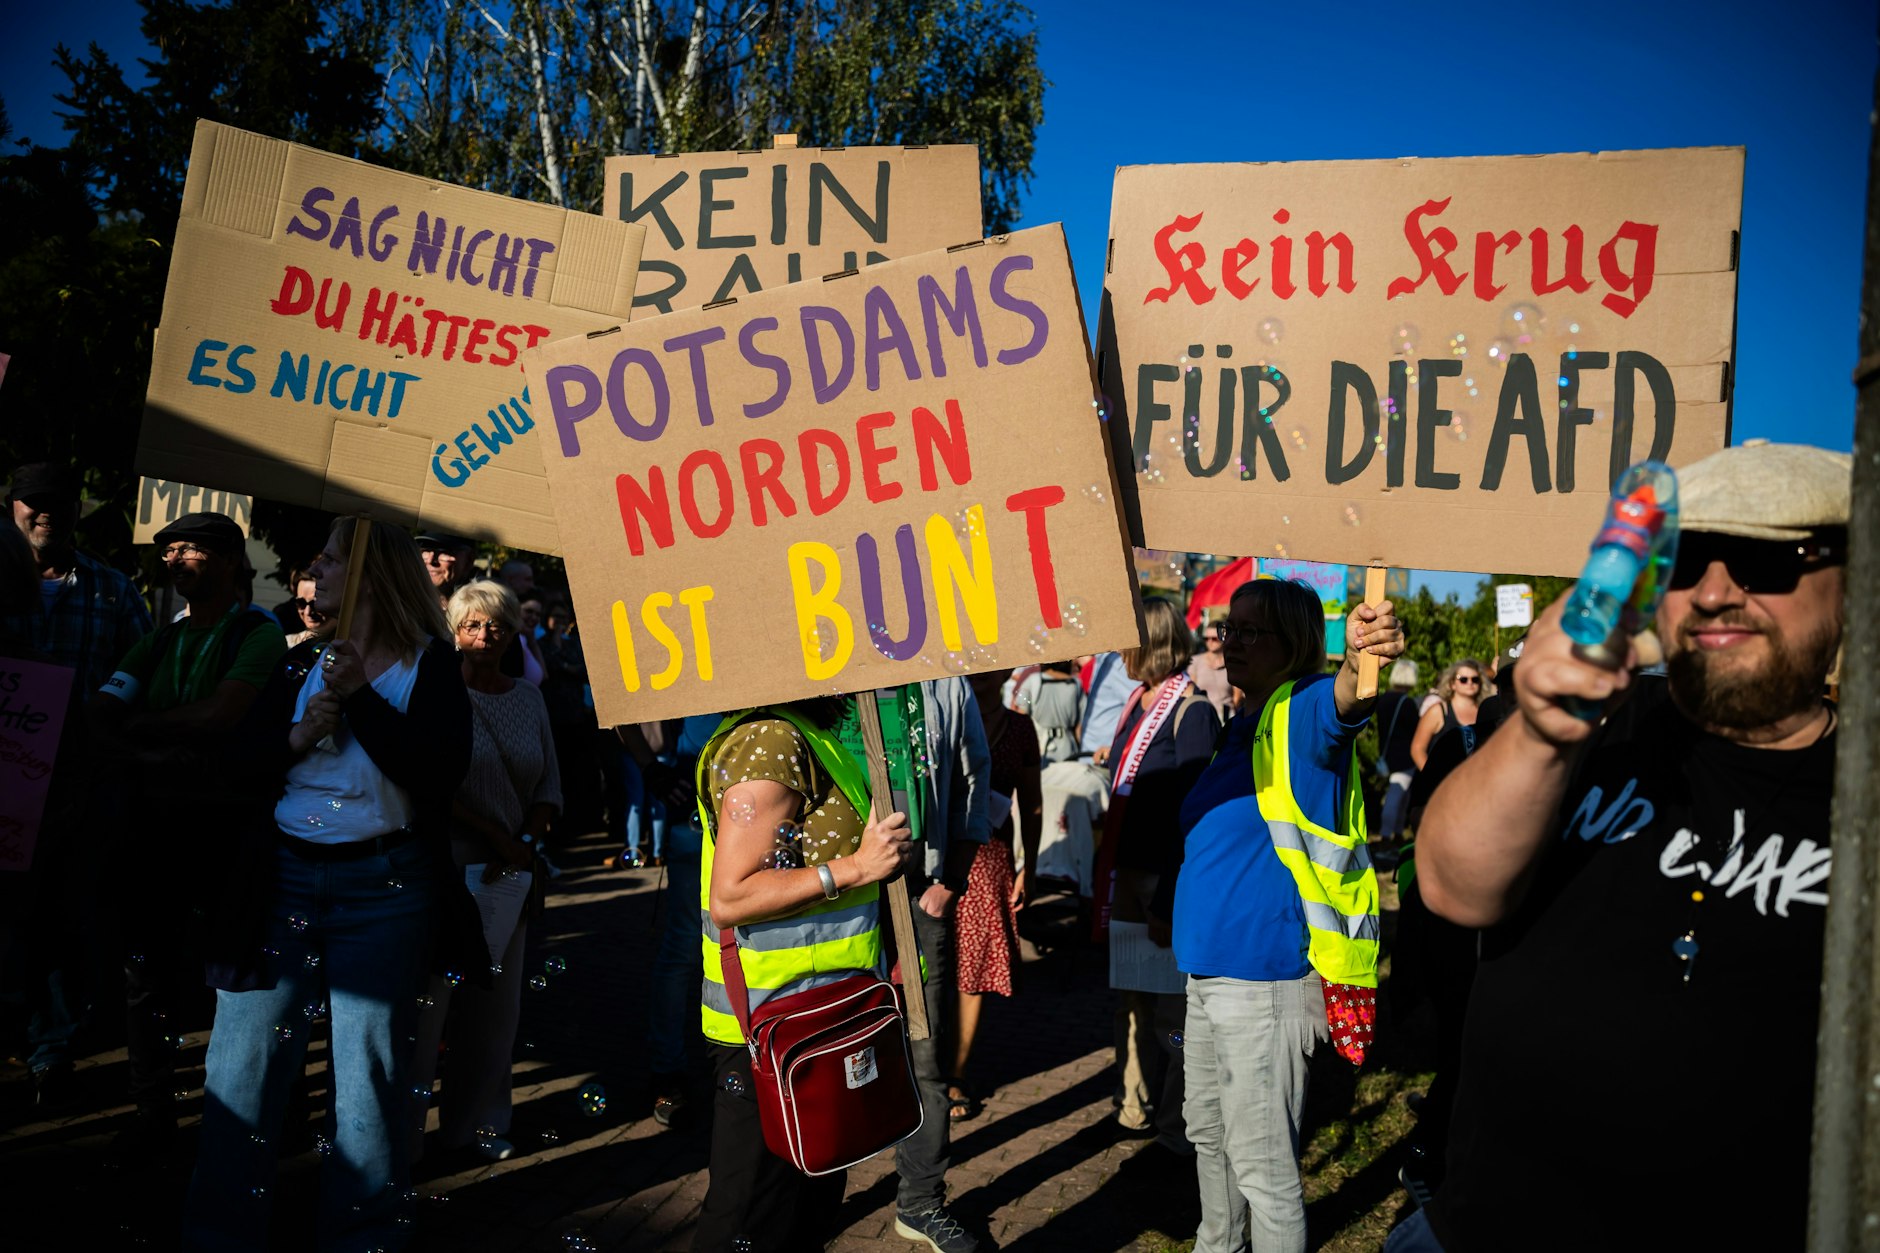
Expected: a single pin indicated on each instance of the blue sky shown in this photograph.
(1136, 83)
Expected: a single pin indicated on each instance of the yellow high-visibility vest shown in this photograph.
(820, 943)
(1331, 867)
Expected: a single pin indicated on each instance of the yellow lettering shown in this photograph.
(694, 598)
(950, 569)
(623, 644)
(816, 607)
(675, 657)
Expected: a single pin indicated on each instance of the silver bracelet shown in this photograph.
(828, 878)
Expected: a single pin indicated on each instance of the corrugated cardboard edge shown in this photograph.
(600, 265)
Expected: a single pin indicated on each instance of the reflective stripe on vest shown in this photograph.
(820, 943)
(1331, 869)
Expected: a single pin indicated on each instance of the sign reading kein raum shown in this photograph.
(726, 224)
(347, 337)
(1432, 363)
(868, 480)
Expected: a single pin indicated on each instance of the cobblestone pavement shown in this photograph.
(1044, 1167)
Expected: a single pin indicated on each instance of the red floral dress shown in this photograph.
(986, 925)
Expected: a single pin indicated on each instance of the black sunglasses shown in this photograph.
(1771, 567)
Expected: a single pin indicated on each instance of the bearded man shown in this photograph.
(1638, 1066)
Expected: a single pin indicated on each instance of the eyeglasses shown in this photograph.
(491, 629)
(1231, 632)
(1770, 567)
(1469, 680)
(183, 552)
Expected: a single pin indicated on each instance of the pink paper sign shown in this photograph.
(33, 699)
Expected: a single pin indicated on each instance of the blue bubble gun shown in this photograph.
(1625, 577)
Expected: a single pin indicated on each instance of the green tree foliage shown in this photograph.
(521, 97)
(527, 98)
(1438, 632)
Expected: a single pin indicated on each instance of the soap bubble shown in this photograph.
(1458, 345)
(1352, 516)
(954, 662)
(539, 982)
(297, 921)
(1403, 340)
(1459, 423)
(740, 809)
(486, 1134)
(258, 1194)
(1270, 330)
(551, 1136)
(1040, 639)
(283, 1032)
(556, 965)
(1299, 439)
(1076, 617)
(454, 978)
(322, 1145)
(1094, 493)
(1499, 350)
(593, 1100)
(394, 884)
(421, 1093)
(313, 1011)
(1523, 322)
(1176, 1039)
(734, 1084)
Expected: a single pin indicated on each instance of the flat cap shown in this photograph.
(214, 531)
(40, 480)
(1761, 490)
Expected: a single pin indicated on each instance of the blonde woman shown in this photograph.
(498, 820)
(1162, 743)
(364, 741)
(1459, 698)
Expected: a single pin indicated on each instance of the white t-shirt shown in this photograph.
(335, 794)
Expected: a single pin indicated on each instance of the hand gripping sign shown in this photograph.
(837, 485)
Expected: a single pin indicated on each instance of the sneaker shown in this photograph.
(937, 1230)
(493, 1148)
(669, 1104)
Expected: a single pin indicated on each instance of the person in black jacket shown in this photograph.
(363, 743)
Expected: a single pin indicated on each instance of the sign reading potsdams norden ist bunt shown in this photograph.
(725, 224)
(836, 485)
(347, 337)
(1432, 363)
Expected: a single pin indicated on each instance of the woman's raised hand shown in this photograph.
(886, 846)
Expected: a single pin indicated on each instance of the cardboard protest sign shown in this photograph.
(33, 698)
(722, 225)
(162, 501)
(346, 337)
(1431, 363)
(1326, 581)
(831, 486)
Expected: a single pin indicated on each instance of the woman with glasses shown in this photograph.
(1458, 699)
(360, 744)
(1275, 907)
(306, 613)
(498, 822)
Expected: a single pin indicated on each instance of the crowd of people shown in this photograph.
(325, 816)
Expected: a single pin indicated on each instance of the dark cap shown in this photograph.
(214, 531)
(440, 539)
(41, 480)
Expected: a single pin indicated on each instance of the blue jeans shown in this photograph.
(1413, 1235)
(677, 964)
(643, 810)
(352, 935)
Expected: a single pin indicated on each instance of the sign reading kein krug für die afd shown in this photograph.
(835, 485)
(726, 224)
(1432, 363)
(346, 337)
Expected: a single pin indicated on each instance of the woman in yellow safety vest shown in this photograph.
(1274, 910)
(791, 863)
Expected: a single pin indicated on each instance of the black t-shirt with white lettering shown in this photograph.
(1606, 1103)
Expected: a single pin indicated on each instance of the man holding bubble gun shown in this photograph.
(1650, 859)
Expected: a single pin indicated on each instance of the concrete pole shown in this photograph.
(1844, 1200)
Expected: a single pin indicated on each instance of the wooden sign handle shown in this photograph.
(900, 909)
(1367, 662)
(355, 573)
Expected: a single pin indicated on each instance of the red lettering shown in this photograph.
(873, 458)
(1434, 265)
(296, 292)
(1316, 244)
(688, 498)
(1573, 272)
(507, 345)
(807, 445)
(406, 336)
(1233, 261)
(479, 335)
(1486, 246)
(377, 319)
(949, 441)
(649, 503)
(1282, 260)
(759, 479)
(1639, 281)
(1183, 265)
(1032, 504)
